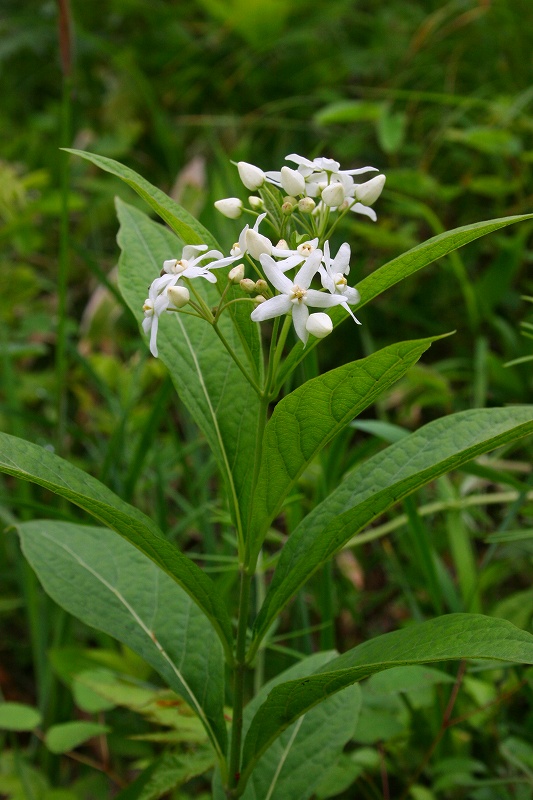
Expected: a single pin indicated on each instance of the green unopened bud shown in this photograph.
(289, 204)
(236, 274)
(179, 296)
(247, 285)
(306, 205)
(256, 203)
(261, 286)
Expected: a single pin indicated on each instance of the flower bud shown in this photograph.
(288, 206)
(257, 244)
(282, 245)
(261, 286)
(369, 191)
(236, 274)
(247, 285)
(231, 207)
(179, 295)
(259, 299)
(333, 195)
(319, 324)
(292, 181)
(306, 205)
(250, 175)
(256, 203)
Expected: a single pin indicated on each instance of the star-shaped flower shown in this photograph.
(295, 296)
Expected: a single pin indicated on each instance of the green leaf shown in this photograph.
(108, 584)
(294, 764)
(454, 636)
(176, 217)
(379, 483)
(402, 267)
(29, 462)
(304, 421)
(220, 399)
(69, 735)
(18, 717)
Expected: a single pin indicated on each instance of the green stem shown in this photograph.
(239, 685)
(278, 353)
(226, 344)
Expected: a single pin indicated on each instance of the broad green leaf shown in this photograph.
(454, 636)
(309, 417)
(375, 485)
(18, 717)
(108, 584)
(295, 763)
(29, 462)
(176, 217)
(69, 735)
(402, 267)
(218, 396)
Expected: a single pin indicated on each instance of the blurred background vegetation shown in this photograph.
(439, 97)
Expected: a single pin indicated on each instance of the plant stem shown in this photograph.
(238, 684)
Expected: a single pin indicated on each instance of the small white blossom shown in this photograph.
(231, 207)
(295, 296)
(250, 175)
(319, 324)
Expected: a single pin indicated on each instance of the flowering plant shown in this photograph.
(138, 587)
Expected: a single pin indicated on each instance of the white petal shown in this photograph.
(341, 262)
(288, 263)
(153, 336)
(307, 272)
(191, 251)
(274, 307)
(360, 171)
(323, 300)
(359, 208)
(300, 315)
(275, 276)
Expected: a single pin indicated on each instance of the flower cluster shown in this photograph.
(297, 217)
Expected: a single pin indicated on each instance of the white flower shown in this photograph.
(369, 191)
(250, 175)
(295, 296)
(332, 275)
(319, 324)
(292, 258)
(189, 266)
(231, 207)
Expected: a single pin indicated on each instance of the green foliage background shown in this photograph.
(439, 97)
